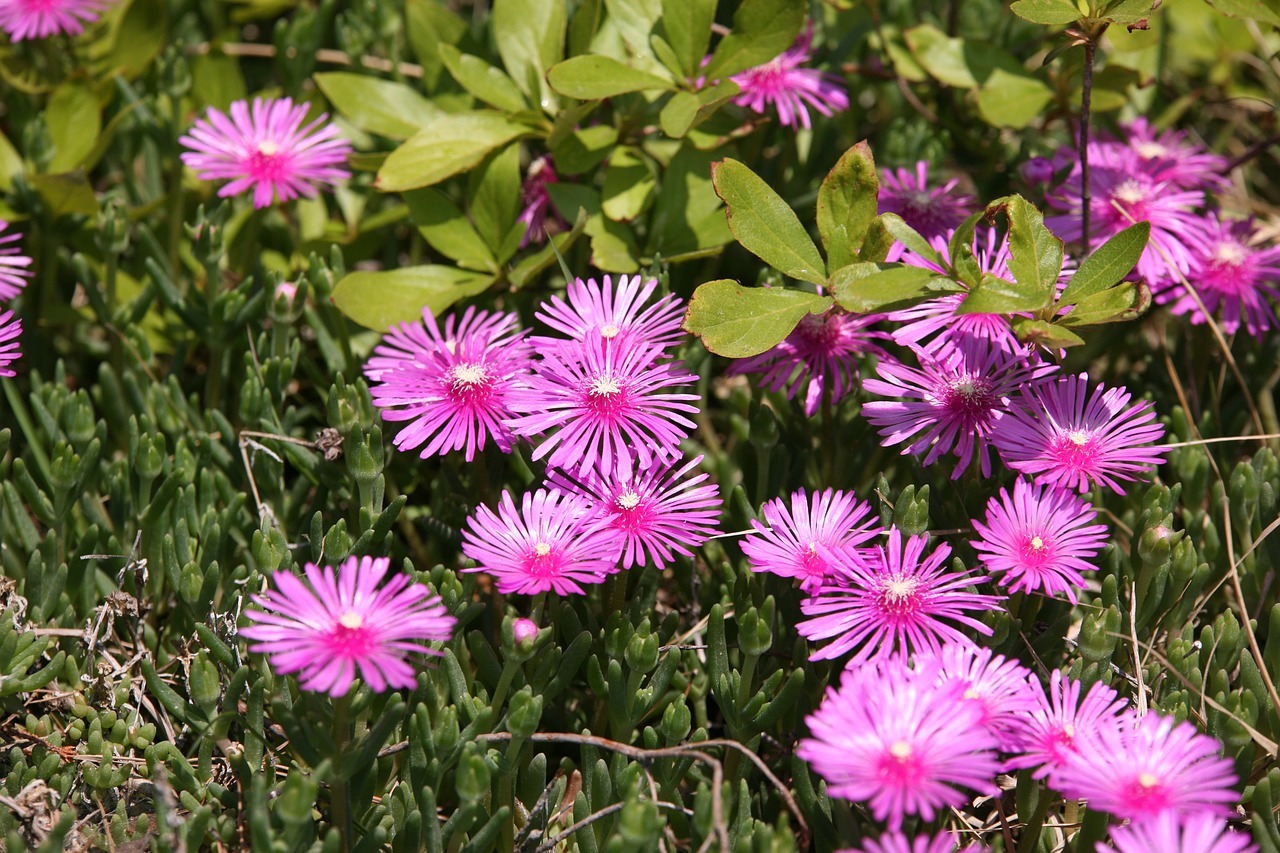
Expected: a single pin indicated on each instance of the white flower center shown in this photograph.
(267, 148)
(1078, 437)
(468, 375)
(1151, 150)
(350, 620)
(1037, 543)
(609, 331)
(1130, 192)
(1230, 253)
(1147, 780)
(605, 386)
(542, 549)
(628, 500)
(900, 750)
(900, 589)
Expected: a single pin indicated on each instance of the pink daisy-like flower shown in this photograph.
(790, 88)
(605, 311)
(1231, 274)
(823, 349)
(1170, 833)
(1041, 538)
(1063, 436)
(553, 542)
(13, 266)
(452, 385)
(659, 510)
(932, 212)
(896, 842)
(893, 600)
(806, 540)
(267, 148)
(331, 628)
(899, 741)
(26, 19)
(1169, 156)
(604, 400)
(1049, 731)
(1142, 770)
(537, 203)
(996, 685)
(952, 401)
(10, 330)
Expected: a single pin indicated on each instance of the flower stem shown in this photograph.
(1086, 108)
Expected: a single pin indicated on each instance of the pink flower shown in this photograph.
(1170, 833)
(605, 311)
(899, 741)
(896, 842)
(790, 88)
(266, 148)
(453, 386)
(931, 212)
(1050, 730)
(1230, 272)
(659, 510)
(1040, 539)
(1140, 771)
(524, 631)
(10, 330)
(952, 401)
(997, 686)
(537, 202)
(806, 540)
(24, 19)
(603, 401)
(893, 601)
(821, 352)
(1168, 156)
(1060, 435)
(13, 266)
(330, 628)
(554, 542)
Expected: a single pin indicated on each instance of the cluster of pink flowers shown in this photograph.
(14, 272)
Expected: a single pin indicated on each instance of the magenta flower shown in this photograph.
(1233, 274)
(1170, 833)
(660, 511)
(952, 402)
(1041, 539)
(790, 88)
(602, 403)
(1060, 435)
(267, 148)
(537, 202)
(25, 19)
(896, 842)
(807, 540)
(331, 628)
(453, 385)
(554, 542)
(900, 742)
(10, 330)
(1142, 770)
(931, 212)
(605, 311)
(893, 601)
(13, 266)
(1168, 156)
(821, 352)
(997, 686)
(1049, 731)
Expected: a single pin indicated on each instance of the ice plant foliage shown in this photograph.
(333, 627)
(10, 330)
(452, 384)
(1060, 434)
(900, 741)
(1050, 729)
(892, 601)
(1169, 833)
(791, 88)
(932, 211)
(553, 542)
(807, 538)
(13, 265)
(265, 147)
(607, 311)
(1040, 539)
(37, 19)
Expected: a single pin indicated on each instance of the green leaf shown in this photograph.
(1108, 306)
(11, 163)
(678, 114)
(995, 295)
(1035, 253)
(379, 299)
(530, 39)
(583, 26)
(452, 143)
(66, 193)
(687, 25)
(1009, 99)
(216, 80)
(533, 264)
(764, 224)
(493, 191)
(74, 120)
(1129, 11)
(1254, 9)
(897, 228)
(592, 77)
(447, 229)
(761, 30)
(1045, 334)
(1112, 261)
(1051, 13)
(428, 25)
(383, 107)
(687, 214)
(737, 322)
(138, 40)
(482, 80)
(867, 287)
(956, 62)
(584, 149)
(628, 184)
(847, 203)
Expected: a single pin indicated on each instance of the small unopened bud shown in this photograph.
(525, 632)
(286, 307)
(1037, 171)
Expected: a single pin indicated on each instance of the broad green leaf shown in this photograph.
(74, 120)
(1112, 261)
(428, 24)
(376, 300)
(666, 55)
(898, 229)
(761, 30)
(996, 295)
(687, 24)
(1045, 334)
(452, 143)
(493, 191)
(738, 322)
(378, 106)
(11, 163)
(584, 149)
(1035, 254)
(448, 230)
(956, 62)
(847, 203)
(628, 184)
(687, 214)
(1009, 99)
(1107, 306)
(613, 245)
(1129, 11)
(530, 39)
(764, 224)
(867, 287)
(1051, 13)
(632, 22)
(1254, 9)
(141, 34)
(216, 80)
(678, 114)
(592, 77)
(66, 193)
(583, 26)
(481, 79)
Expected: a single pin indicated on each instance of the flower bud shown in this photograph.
(525, 632)
(1037, 171)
